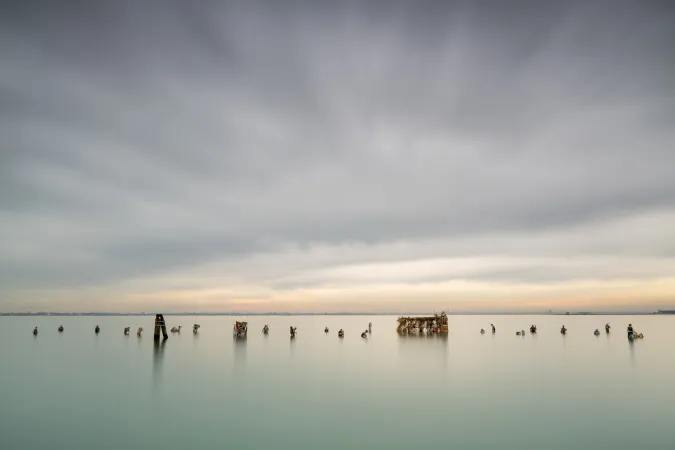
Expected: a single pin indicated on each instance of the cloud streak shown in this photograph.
(145, 143)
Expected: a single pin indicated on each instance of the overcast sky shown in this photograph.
(333, 156)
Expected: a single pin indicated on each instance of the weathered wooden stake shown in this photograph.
(160, 325)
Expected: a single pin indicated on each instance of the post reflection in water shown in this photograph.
(292, 346)
(631, 347)
(195, 339)
(239, 366)
(413, 346)
(158, 360)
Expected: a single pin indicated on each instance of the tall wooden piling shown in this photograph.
(160, 326)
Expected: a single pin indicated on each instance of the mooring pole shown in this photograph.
(160, 326)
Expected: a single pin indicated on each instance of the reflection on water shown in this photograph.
(292, 346)
(336, 394)
(158, 359)
(421, 336)
(239, 364)
(239, 349)
(422, 346)
(534, 338)
(195, 339)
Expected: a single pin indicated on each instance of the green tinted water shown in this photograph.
(77, 390)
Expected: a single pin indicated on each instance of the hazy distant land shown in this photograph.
(391, 313)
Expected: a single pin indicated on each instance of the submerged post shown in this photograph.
(160, 325)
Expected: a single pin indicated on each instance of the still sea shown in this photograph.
(77, 390)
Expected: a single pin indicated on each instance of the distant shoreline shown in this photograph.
(75, 314)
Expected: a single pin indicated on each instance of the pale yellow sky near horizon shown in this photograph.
(635, 295)
(392, 277)
(514, 272)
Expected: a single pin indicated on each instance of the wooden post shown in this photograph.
(160, 325)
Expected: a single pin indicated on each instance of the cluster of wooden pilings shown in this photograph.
(438, 323)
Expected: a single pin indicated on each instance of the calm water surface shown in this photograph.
(76, 390)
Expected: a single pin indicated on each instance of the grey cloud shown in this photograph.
(167, 134)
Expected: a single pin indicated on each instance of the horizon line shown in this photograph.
(343, 313)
